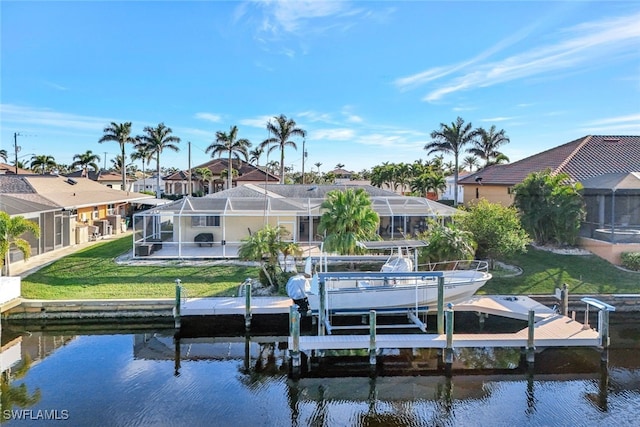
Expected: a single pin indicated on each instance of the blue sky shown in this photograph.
(369, 81)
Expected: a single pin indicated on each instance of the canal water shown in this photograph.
(142, 375)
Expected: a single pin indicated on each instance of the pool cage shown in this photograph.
(215, 226)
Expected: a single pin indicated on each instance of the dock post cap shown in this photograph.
(178, 281)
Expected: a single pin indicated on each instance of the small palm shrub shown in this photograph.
(631, 260)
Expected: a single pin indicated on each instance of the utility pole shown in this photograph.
(189, 190)
(304, 155)
(105, 160)
(16, 148)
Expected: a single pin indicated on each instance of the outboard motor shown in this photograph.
(297, 287)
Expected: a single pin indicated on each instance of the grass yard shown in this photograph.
(544, 271)
(92, 274)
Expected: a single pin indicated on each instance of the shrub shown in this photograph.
(631, 260)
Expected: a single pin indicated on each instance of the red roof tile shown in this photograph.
(581, 159)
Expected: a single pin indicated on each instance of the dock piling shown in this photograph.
(372, 337)
(531, 349)
(449, 349)
(247, 304)
(295, 334)
(176, 309)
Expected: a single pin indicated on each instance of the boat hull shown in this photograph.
(349, 295)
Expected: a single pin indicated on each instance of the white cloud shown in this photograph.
(257, 122)
(216, 118)
(497, 119)
(314, 116)
(577, 47)
(621, 119)
(332, 134)
(46, 117)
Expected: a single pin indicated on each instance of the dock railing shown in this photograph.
(603, 318)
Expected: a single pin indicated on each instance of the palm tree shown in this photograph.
(118, 164)
(282, 131)
(348, 218)
(142, 153)
(318, 164)
(158, 139)
(228, 143)
(470, 162)
(486, 146)
(43, 163)
(204, 175)
(85, 160)
(121, 133)
(451, 139)
(11, 228)
(254, 155)
(339, 165)
(3, 155)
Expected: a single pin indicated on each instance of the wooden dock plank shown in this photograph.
(234, 306)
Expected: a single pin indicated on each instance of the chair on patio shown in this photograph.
(94, 233)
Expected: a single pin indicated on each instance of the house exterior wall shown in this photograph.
(493, 193)
(608, 251)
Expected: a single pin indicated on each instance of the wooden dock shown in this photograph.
(553, 331)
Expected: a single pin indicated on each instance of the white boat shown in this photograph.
(398, 284)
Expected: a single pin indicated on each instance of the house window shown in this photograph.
(96, 213)
(111, 209)
(477, 193)
(205, 221)
(509, 190)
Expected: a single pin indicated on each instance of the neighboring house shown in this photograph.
(612, 224)
(103, 176)
(178, 183)
(68, 210)
(581, 159)
(148, 184)
(342, 175)
(226, 218)
(448, 193)
(11, 169)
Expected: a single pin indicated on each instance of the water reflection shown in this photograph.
(149, 374)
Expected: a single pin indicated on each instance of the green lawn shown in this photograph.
(92, 273)
(544, 271)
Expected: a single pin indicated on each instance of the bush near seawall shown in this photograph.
(631, 260)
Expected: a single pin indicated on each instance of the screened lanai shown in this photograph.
(214, 226)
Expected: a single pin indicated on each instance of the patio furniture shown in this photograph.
(204, 239)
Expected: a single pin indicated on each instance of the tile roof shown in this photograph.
(101, 175)
(64, 192)
(247, 171)
(581, 159)
(10, 169)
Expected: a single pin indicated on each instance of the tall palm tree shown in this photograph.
(120, 133)
(348, 218)
(83, 161)
(486, 146)
(230, 144)
(254, 155)
(318, 164)
(282, 131)
(470, 162)
(3, 155)
(43, 163)
(451, 139)
(11, 228)
(157, 139)
(142, 153)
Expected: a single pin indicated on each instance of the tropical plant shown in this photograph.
(265, 246)
(496, 230)
(470, 162)
(11, 230)
(451, 139)
(3, 155)
(86, 160)
(43, 163)
(347, 218)
(487, 143)
(254, 156)
(204, 175)
(157, 139)
(339, 165)
(551, 207)
(428, 181)
(282, 131)
(142, 153)
(318, 164)
(120, 133)
(446, 243)
(228, 143)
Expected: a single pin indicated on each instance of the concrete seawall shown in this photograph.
(163, 308)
